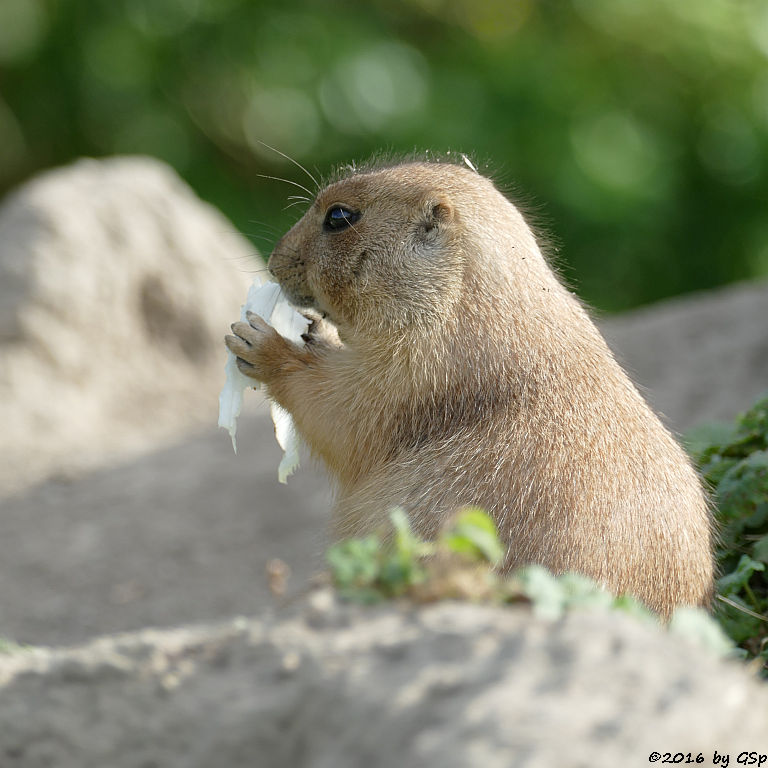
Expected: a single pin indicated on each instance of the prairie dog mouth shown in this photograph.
(300, 301)
(306, 304)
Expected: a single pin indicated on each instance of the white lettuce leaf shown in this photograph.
(268, 301)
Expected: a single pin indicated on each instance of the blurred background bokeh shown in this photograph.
(637, 132)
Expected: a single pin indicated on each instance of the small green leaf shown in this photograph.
(752, 431)
(407, 545)
(738, 624)
(354, 562)
(760, 550)
(716, 467)
(733, 582)
(633, 607)
(544, 590)
(474, 534)
(759, 517)
(581, 591)
(699, 626)
(742, 490)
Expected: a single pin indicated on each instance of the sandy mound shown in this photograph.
(338, 687)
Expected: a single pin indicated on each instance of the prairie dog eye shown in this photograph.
(339, 217)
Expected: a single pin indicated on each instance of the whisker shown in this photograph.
(264, 238)
(353, 228)
(247, 257)
(295, 202)
(264, 224)
(287, 181)
(295, 162)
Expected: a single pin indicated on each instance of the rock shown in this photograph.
(117, 285)
(701, 357)
(447, 685)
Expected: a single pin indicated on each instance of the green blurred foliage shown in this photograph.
(637, 132)
(733, 459)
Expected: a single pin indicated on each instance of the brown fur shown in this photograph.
(468, 375)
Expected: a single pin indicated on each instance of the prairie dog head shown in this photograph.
(388, 249)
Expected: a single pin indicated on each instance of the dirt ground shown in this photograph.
(179, 535)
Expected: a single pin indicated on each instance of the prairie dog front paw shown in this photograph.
(260, 350)
(321, 332)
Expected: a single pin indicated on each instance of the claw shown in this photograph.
(237, 346)
(256, 322)
(245, 367)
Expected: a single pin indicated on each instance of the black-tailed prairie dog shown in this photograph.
(465, 373)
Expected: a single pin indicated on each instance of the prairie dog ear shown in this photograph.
(438, 211)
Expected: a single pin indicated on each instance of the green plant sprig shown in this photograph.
(462, 564)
